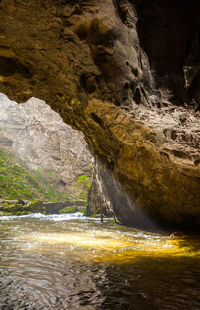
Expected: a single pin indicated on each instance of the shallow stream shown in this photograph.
(73, 262)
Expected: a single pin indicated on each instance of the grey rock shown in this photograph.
(40, 138)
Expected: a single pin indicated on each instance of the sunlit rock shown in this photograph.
(125, 73)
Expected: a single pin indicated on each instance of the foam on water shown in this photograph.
(52, 217)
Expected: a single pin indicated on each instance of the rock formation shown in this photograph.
(98, 202)
(125, 73)
(39, 137)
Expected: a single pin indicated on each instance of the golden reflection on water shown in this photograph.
(101, 246)
(74, 263)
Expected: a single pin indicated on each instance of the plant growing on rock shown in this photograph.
(83, 185)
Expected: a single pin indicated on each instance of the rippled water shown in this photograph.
(73, 262)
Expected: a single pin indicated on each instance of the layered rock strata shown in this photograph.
(125, 73)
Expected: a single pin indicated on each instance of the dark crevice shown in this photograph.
(88, 82)
(137, 96)
(10, 66)
(96, 119)
(170, 42)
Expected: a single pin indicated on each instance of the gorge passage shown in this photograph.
(125, 73)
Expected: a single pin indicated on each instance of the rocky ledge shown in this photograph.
(125, 73)
(21, 207)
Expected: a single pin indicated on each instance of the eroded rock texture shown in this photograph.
(126, 73)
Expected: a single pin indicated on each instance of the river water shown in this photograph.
(74, 262)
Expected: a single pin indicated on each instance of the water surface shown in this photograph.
(74, 262)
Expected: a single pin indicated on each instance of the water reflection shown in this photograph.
(71, 262)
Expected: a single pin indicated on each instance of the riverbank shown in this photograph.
(21, 207)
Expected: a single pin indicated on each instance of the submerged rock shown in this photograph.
(125, 73)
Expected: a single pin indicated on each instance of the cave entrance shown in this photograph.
(46, 160)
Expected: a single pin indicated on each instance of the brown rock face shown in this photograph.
(126, 73)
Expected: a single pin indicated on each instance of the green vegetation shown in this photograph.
(23, 191)
(96, 213)
(14, 208)
(83, 185)
(11, 207)
(73, 210)
(69, 210)
(18, 182)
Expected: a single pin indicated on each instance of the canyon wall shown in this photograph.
(39, 137)
(125, 73)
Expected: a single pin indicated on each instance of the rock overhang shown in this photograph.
(104, 69)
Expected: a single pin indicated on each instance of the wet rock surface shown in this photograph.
(125, 73)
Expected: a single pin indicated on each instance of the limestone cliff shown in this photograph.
(38, 136)
(126, 73)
